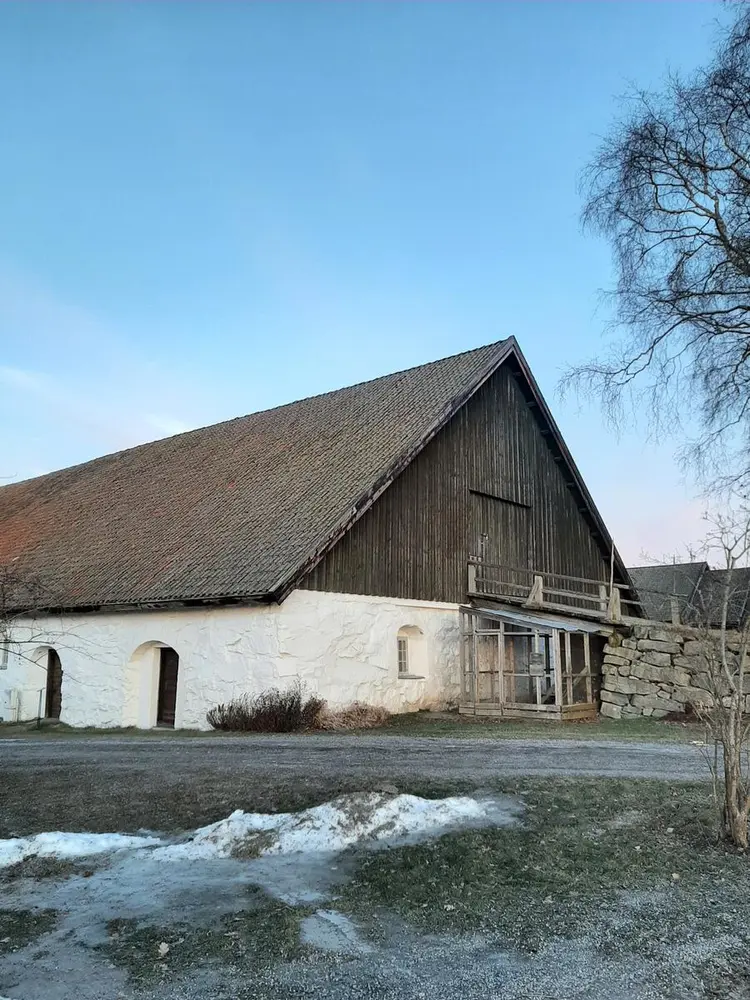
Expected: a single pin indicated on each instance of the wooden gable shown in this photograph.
(491, 484)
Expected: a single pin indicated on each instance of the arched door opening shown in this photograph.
(53, 701)
(167, 696)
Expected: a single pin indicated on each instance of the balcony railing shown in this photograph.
(551, 591)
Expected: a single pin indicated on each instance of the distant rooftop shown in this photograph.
(698, 591)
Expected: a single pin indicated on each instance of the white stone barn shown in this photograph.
(326, 540)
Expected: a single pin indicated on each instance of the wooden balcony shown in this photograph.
(555, 592)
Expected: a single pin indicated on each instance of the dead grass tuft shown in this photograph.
(358, 715)
(271, 711)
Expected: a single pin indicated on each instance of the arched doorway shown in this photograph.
(150, 686)
(166, 702)
(53, 700)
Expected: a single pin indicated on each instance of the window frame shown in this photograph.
(402, 653)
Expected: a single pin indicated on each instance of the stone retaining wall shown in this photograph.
(654, 669)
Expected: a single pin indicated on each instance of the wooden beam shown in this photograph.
(557, 666)
(501, 659)
(674, 607)
(536, 594)
(614, 610)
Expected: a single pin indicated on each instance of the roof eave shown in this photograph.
(167, 604)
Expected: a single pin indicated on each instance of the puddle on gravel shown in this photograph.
(329, 930)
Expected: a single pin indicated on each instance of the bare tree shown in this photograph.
(19, 597)
(670, 190)
(28, 623)
(724, 634)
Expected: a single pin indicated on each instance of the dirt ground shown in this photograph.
(611, 886)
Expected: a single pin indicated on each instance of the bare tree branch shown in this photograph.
(670, 191)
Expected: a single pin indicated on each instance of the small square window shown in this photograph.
(403, 655)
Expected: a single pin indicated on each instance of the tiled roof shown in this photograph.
(656, 584)
(699, 591)
(232, 510)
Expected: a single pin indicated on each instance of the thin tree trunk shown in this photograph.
(735, 798)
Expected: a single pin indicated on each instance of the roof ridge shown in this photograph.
(253, 413)
(695, 562)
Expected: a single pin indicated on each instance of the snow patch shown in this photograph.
(68, 845)
(366, 819)
(360, 819)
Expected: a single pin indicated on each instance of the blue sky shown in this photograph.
(212, 208)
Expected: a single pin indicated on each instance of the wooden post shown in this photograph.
(587, 660)
(472, 578)
(557, 666)
(614, 611)
(462, 654)
(603, 598)
(674, 606)
(501, 660)
(536, 594)
(473, 657)
(568, 669)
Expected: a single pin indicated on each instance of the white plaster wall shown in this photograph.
(343, 647)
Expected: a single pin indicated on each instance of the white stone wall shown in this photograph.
(343, 647)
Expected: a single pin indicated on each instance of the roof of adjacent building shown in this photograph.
(240, 509)
(657, 584)
(699, 591)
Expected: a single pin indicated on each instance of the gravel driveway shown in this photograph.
(362, 756)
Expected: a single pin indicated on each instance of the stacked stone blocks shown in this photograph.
(652, 669)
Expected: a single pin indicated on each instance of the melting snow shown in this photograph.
(330, 930)
(68, 845)
(368, 818)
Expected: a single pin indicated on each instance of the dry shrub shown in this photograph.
(271, 711)
(358, 715)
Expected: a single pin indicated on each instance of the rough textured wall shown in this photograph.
(343, 647)
(654, 669)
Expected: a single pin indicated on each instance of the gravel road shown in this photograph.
(362, 756)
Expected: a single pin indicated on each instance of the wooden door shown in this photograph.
(53, 702)
(167, 701)
(501, 535)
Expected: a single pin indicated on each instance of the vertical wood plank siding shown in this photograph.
(416, 540)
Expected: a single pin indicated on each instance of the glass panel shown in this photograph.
(578, 668)
(562, 660)
(488, 625)
(487, 668)
(528, 670)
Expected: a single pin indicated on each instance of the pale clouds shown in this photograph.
(74, 387)
(657, 529)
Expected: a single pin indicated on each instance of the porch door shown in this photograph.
(53, 701)
(167, 700)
